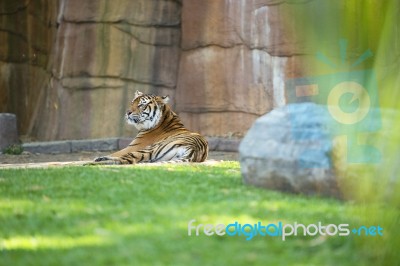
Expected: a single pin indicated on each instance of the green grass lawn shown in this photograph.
(139, 215)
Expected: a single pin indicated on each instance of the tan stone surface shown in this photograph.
(218, 124)
(138, 12)
(236, 58)
(26, 37)
(235, 80)
(258, 24)
(68, 69)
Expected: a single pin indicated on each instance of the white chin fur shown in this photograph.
(130, 121)
(147, 124)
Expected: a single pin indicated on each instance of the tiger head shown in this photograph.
(146, 110)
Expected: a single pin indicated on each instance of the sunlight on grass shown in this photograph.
(15, 205)
(139, 215)
(53, 242)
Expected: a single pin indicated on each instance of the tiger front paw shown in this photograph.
(106, 160)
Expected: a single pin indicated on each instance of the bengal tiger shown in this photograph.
(162, 136)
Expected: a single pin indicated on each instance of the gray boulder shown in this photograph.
(8, 130)
(289, 149)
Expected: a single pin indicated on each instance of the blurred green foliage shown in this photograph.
(14, 149)
(375, 26)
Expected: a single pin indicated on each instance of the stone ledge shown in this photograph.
(94, 145)
(111, 144)
(48, 147)
(223, 144)
(123, 142)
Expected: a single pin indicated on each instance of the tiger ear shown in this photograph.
(137, 94)
(165, 99)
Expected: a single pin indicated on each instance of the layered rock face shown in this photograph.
(68, 69)
(235, 58)
(105, 51)
(27, 31)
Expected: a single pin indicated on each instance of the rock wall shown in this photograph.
(235, 58)
(27, 31)
(104, 52)
(68, 68)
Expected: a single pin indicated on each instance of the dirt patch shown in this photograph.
(87, 156)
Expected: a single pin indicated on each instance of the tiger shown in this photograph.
(161, 136)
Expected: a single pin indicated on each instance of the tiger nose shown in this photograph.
(128, 112)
